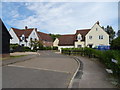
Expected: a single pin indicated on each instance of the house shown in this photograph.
(46, 39)
(24, 36)
(83, 38)
(5, 40)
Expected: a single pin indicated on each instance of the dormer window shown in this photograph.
(79, 37)
(23, 38)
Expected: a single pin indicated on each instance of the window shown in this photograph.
(100, 36)
(23, 38)
(23, 45)
(79, 46)
(96, 29)
(79, 37)
(35, 39)
(90, 37)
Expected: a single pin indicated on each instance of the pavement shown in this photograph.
(93, 75)
(46, 70)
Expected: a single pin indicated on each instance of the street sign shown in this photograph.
(115, 61)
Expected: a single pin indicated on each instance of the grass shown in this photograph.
(12, 57)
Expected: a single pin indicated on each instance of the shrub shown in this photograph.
(55, 48)
(27, 49)
(115, 44)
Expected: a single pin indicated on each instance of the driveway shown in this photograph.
(46, 70)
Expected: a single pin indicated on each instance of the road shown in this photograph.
(46, 70)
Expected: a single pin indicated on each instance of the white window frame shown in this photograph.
(100, 36)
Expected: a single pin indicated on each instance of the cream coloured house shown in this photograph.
(93, 37)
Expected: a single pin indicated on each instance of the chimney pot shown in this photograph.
(26, 27)
(36, 29)
(97, 22)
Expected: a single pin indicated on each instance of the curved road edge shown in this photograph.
(77, 75)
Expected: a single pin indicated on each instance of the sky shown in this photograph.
(59, 17)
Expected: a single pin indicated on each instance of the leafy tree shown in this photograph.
(111, 32)
(54, 36)
(118, 33)
(115, 44)
(35, 44)
(103, 27)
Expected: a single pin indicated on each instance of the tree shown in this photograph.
(118, 33)
(36, 44)
(115, 44)
(54, 36)
(103, 27)
(111, 32)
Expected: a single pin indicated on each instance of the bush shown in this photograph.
(14, 46)
(27, 49)
(55, 48)
(115, 44)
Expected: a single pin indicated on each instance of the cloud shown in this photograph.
(64, 17)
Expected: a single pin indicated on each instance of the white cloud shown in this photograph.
(67, 17)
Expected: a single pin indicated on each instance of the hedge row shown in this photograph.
(18, 48)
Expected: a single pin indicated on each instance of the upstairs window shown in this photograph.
(35, 39)
(96, 29)
(90, 37)
(33, 33)
(79, 37)
(100, 36)
(23, 38)
(30, 39)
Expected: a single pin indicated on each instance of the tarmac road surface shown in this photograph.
(46, 70)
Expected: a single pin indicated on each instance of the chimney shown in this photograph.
(26, 27)
(97, 22)
(36, 29)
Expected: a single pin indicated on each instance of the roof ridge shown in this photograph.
(84, 29)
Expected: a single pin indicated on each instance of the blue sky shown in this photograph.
(59, 17)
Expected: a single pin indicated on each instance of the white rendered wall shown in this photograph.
(14, 39)
(59, 47)
(33, 35)
(56, 42)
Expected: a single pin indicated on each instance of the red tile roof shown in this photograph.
(44, 36)
(66, 40)
(20, 32)
(83, 32)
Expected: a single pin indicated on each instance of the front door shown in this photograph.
(90, 45)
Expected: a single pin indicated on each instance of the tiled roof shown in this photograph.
(20, 32)
(44, 36)
(83, 32)
(66, 40)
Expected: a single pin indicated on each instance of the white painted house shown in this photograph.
(24, 36)
(83, 38)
